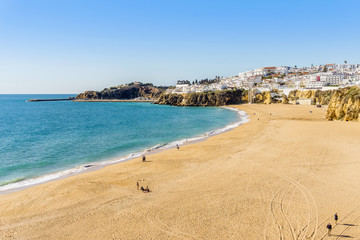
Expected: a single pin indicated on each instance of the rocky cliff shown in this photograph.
(344, 104)
(214, 98)
(128, 91)
(265, 98)
(218, 98)
(318, 96)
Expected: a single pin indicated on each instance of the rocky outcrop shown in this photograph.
(285, 100)
(264, 98)
(213, 98)
(318, 96)
(129, 91)
(344, 104)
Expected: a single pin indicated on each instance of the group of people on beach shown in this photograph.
(145, 190)
(329, 226)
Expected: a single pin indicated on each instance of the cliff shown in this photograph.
(344, 104)
(214, 98)
(265, 98)
(318, 96)
(218, 98)
(129, 91)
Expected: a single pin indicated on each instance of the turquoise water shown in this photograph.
(38, 138)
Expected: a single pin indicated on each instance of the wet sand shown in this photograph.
(279, 176)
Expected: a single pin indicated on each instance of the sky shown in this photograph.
(71, 46)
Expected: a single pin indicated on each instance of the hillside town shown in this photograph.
(283, 78)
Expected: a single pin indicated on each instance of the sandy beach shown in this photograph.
(282, 175)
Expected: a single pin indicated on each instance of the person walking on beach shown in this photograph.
(143, 158)
(329, 227)
(177, 146)
(336, 218)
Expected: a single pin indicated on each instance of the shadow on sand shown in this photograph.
(349, 225)
(343, 236)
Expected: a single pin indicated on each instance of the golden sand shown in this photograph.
(280, 177)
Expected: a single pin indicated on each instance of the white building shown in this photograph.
(331, 79)
(346, 66)
(305, 101)
(313, 81)
(282, 70)
(322, 79)
(252, 73)
(268, 70)
(182, 88)
(279, 80)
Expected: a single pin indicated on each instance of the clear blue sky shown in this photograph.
(73, 46)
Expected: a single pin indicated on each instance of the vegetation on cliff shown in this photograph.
(128, 91)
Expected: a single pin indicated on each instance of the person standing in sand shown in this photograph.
(143, 158)
(329, 227)
(336, 218)
(177, 146)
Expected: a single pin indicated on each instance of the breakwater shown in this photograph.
(50, 100)
(113, 100)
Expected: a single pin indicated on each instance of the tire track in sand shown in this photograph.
(277, 223)
(311, 205)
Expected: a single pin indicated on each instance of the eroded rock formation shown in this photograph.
(318, 96)
(344, 104)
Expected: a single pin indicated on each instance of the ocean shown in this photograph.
(40, 141)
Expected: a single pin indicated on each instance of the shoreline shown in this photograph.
(283, 174)
(94, 166)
